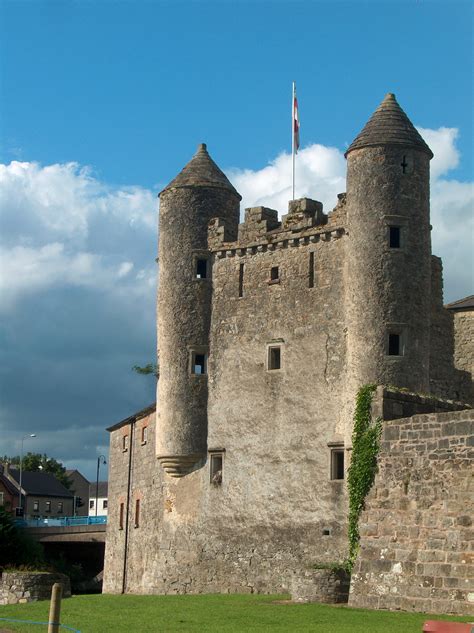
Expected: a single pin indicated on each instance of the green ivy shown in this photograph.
(361, 475)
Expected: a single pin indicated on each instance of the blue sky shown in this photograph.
(102, 103)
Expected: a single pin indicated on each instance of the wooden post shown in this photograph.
(55, 608)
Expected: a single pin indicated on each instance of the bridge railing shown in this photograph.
(62, 521)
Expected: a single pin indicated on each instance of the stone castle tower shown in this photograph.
(199, 193)
(266, 330)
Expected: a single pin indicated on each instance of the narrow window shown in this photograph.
(394, 345)
(311, 270)
(198, 363)
(125, 443)
(201, 268)
(48, 506)
(137, 513)
(274, 273)
(404, 165)
(216, 469)
(337, 463)
(241, 280)
(91, 504)
(144, 435)
(2, 499)
(394, 237)
(121, 513)
(104, 504)
(274, 358)
(60, 507)
(36, 506)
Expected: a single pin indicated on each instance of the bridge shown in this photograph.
(66, 529)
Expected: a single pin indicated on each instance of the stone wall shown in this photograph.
(390, 403)
(464, 340)
(329, 586)
(19, 587)
(416, 531)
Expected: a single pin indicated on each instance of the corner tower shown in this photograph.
(388, 252)
(200, 192)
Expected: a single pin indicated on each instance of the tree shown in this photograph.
(16, 547)
(147, 370)
(34, 462)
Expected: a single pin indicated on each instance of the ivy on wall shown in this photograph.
(361, 474)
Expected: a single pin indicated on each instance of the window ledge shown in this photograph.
(272, 282)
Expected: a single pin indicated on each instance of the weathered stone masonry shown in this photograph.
(417, 539)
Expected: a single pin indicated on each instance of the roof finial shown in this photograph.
(202, 147)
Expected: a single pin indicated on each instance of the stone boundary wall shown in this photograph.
(416, 530)
(329, 586)
(391, 404)
(19, 586)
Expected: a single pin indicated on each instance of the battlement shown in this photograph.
(305, 222)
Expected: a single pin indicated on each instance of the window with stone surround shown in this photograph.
(198, 362)
(201, 268)
(144, 434)
(395, 236)
(395, 344)
(337, 463)
(274, 275)
(216, 463)
(124, 443)
(274, 357)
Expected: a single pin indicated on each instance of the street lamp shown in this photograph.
(100, 459)
(25, 437)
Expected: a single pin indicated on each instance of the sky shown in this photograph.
(102, 104)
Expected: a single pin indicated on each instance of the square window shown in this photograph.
(198, 363)
(216, 469)
(394, 344)
(201, 268)
(274, 273)
(337, 463)
(274, 357)
(395, 233)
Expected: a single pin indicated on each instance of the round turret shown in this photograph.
(388, 270)
(199, 193)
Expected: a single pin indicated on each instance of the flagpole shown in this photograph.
(293, 140)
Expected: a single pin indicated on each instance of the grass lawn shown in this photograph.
(209, 614)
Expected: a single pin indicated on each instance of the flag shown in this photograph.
(296, 122)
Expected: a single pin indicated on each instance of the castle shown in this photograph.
(266, 331)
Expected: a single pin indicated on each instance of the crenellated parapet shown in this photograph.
(261, 230)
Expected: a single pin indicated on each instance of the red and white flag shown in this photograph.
(296, 123)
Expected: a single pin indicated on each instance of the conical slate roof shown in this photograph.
(389, 125)
(201, 171)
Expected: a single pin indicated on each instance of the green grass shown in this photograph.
(209, 614)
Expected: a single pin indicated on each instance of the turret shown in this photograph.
(388, 252)
(200, 192)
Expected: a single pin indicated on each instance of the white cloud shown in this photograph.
(321, 174)
(60, 226)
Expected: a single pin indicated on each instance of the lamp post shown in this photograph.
(25, 437)
(100, 459)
